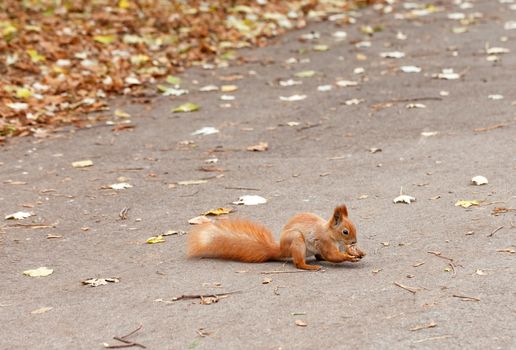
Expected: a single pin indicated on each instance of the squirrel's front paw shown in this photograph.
(354, 251)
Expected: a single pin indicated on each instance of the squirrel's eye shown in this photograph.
(345, 231)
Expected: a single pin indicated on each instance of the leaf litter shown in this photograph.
(50, 48)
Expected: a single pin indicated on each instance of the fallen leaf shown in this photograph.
(207, 130)
(82, 163)
(510, 25)
(429, 133)
(186, 107)
(321, 48)
(227, 98)
(174, 233)
(290, 82)
(404, 199)
(479, 180)
(173, 80)
(261, 147)
(155, 239)
(39, 272)
(198, 220)
(121, 114)
(340, 35)
(172, 91)
(410, 69)
(191, 182)
(305, 74)
(228, 88)
(209, 88)
(415, 105)
(250, 200)
(497, 50)
(292, 98)
(301, 323)
(218, 211)
(353, 101)
(466, 203)
(346, 83)
(447, 74)
(392, 54)
(120, 186)
(95, 282)
(19, 215)
(324, 88)
(41, 310)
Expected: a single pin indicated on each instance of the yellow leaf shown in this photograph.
(218, 211)
(305, 74)
(41, 310)
(39, 272)
(23, 93)
(124, 4)
(466, 204)
(35, 56)
(186, 107)
(105, 39)
(156, 239)
(228, 88)
(82, 163)
(121, 114)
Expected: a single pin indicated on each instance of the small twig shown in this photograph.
(277, 272)
(241, 188)
(309, 126)
(495, 230)
(438, 254)
(128, 343)
(465, 298)
(136, 330)
(125, 169)
(432, 324)
(201, 296)
(123, 213)
(415, 99)
(410, 289)
(34, 226)
(453, 268)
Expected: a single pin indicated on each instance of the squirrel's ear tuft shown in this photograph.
(339, 212)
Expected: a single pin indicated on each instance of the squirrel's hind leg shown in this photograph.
(298, 253)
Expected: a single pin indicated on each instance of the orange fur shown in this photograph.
(304, 235)
(235, 239)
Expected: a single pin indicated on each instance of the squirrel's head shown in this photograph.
(341, 227)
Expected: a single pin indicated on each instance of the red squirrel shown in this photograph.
(305, 235)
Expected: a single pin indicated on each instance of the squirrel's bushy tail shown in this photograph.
(234, 239)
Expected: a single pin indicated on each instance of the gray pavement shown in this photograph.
(321, 159)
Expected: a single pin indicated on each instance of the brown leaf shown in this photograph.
(261, 147)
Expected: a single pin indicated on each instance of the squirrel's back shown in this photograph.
(234, 239)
